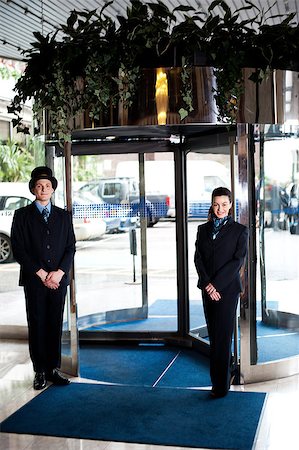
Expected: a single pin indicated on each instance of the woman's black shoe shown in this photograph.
(56, 378)
(39, 381)
(217, 394)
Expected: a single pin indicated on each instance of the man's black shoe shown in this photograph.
(39, 381)
(57, 378)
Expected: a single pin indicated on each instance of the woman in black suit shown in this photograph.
(220, 249)
(43, 243)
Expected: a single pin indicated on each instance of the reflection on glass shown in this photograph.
(278, 231)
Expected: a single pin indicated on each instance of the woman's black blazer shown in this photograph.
(218, 261)
(37, 245)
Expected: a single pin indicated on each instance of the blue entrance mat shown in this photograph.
(144, 365)
(138, 414)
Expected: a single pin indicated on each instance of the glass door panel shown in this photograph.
(278, 232)
(206, 170)
(126, 268)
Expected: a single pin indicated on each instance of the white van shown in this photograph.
(202, 178)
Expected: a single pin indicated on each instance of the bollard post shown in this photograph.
(133, 249)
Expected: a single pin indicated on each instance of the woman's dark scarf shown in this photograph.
(218, 224)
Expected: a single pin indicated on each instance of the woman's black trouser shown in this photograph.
(220, 318)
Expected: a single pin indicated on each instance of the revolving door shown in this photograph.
(161, 302)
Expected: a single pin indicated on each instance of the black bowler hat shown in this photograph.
(42, 173)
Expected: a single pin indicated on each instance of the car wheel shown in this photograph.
(152, 222)
(149, 221)
(294, 229)
(6, 255)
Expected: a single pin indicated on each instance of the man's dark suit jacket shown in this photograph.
(219, 260)
(37, 245)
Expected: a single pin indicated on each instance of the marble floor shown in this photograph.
(278, 428)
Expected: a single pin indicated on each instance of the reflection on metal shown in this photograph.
(242, 139)
(162, 91)
(143, 228)
(232, 150)
(291, 93)
(143, 110)
(232, 145)
(282, 319)
(161, 96)
(70, 364)
(262, 222)
(182, 240)
(252, 260)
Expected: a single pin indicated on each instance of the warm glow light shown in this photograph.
(161, 96)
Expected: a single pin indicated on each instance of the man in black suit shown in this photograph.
(220, 249)
(43, 243)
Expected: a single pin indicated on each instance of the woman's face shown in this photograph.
(221, 206)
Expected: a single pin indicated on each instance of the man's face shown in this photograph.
(43, 190)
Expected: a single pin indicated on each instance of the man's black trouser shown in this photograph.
(44, 309)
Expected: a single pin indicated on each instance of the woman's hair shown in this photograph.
(221, 191)
(216, 193)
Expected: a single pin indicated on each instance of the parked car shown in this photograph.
(12, 197)
(122, 191)
(118, 217)
(16, 195)
(202, 177)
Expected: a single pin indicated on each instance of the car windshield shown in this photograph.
(89, 187)
(86, 197)
(11, 203)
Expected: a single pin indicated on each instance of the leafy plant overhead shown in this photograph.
(93, 61)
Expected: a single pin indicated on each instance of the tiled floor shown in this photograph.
(278, 429)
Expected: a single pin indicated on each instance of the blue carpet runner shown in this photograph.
(164, 416)
(144, 365)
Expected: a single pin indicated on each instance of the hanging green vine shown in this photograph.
(187, 90)
(127, 84)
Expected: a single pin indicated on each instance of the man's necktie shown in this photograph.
(45, 214)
